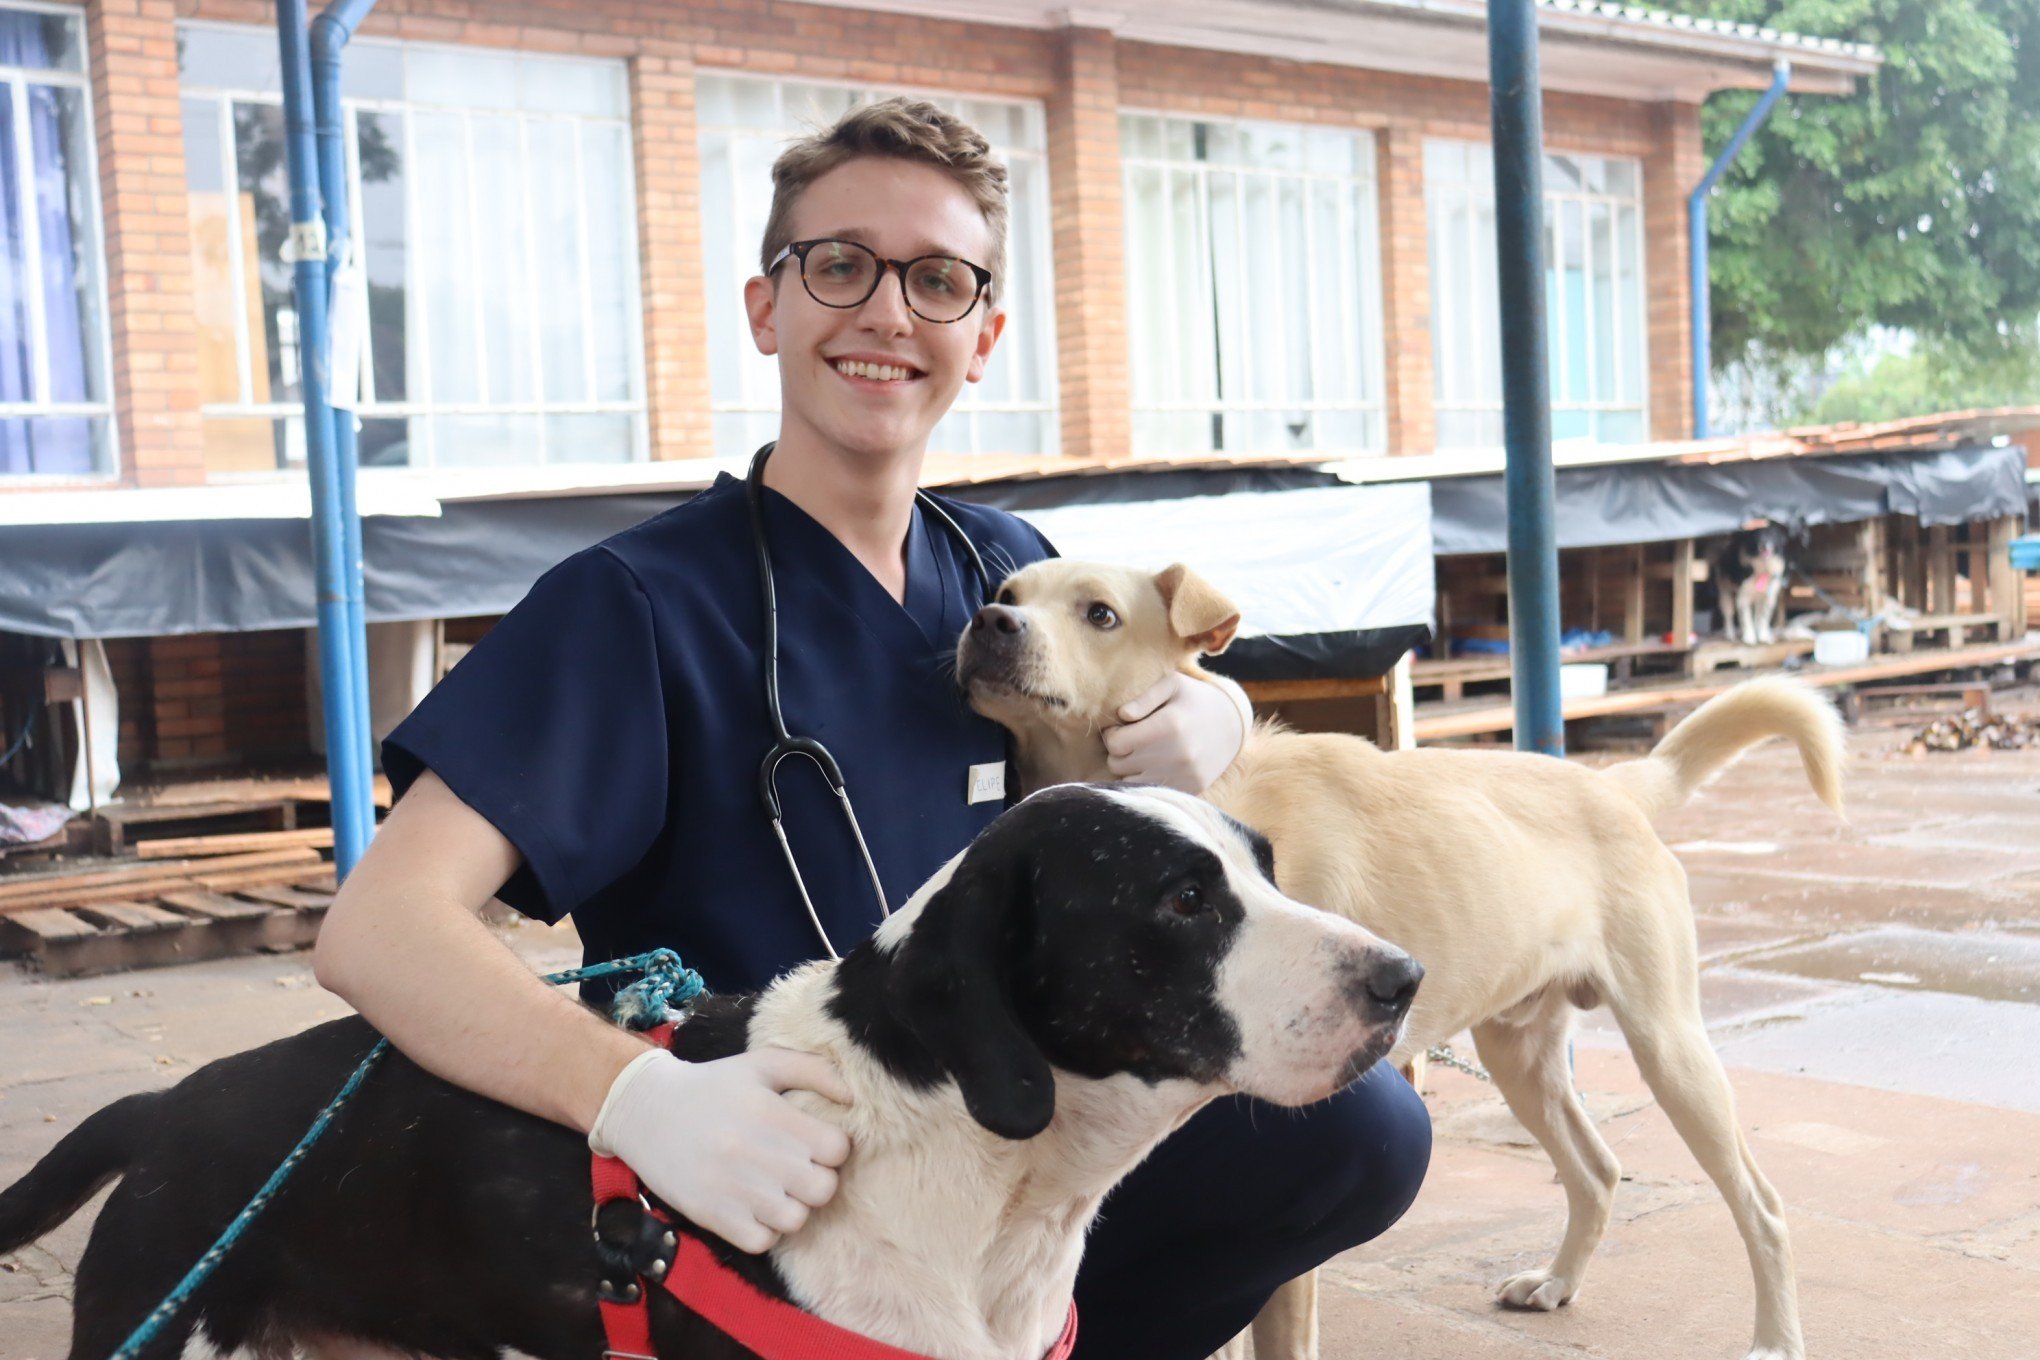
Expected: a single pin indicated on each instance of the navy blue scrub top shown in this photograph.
(611, 726)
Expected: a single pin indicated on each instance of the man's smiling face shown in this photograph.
(873, 380)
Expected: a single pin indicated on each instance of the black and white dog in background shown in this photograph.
(1749, 578)
(1096, 966)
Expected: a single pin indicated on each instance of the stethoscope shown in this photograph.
(784, 743)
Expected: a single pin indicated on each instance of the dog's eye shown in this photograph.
(1005, 595)
(1188, 900)
(1100, 615)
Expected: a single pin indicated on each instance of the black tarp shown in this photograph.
(1659, 502)
(159, 578)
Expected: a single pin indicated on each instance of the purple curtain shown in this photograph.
(60, 444)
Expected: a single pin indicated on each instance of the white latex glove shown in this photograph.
(1182, 732)
(720, 1143)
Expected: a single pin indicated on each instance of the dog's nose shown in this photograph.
(1391, 980)
(999, 620)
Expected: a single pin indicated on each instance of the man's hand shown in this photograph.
(720, 1142)
(1183, 733)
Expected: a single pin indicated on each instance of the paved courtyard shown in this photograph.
(1874, 987)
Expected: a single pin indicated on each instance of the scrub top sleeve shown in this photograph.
(554, 729)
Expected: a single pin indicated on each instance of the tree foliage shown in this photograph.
(1913, 204)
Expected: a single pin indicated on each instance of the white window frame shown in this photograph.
(1368, 324)
(1037, 306)
(1480, 336)
(418, 318)
(14, 83)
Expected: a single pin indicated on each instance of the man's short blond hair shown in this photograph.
(904, 129)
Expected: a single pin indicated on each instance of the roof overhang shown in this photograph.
(1585, 46)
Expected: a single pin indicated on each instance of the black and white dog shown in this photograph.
(1097, 965)
(1749, 576)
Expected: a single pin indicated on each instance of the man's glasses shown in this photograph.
(939, 288)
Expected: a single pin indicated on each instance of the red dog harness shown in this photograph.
(690, 1272)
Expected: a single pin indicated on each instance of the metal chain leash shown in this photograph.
(1443, 1055)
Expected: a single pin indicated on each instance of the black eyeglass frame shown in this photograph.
(799, 250)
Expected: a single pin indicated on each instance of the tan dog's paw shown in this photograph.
(1537, 1289)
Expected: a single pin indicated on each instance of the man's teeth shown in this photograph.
(877, 372)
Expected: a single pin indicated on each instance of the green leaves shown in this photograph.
(1912, 204)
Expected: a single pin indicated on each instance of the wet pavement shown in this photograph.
(1874, 989)
(1873, 986)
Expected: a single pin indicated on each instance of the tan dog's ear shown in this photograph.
(1198, 614)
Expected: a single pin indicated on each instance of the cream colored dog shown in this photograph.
(1528, 887)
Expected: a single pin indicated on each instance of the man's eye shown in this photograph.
(936, 279)
(1101, 616)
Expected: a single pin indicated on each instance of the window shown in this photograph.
(1252, 286)
(1593, 248)
(744, 124)
(494, 210)
(55, 416)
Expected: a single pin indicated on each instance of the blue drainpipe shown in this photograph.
(1696, 218)
(1516, 96)
(330, 33)
(338, 573)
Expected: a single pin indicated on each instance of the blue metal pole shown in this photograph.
(1516, 95)
(330, 33)
(352, 806)
(1696, 231)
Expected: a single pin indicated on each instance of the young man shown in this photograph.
(598, 754)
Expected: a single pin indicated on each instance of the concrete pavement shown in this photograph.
(1874, 988)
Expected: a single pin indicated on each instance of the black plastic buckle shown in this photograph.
(632, 1244)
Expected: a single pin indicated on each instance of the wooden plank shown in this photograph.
(1277, 691)
(16, 889)
(172, 847)
(1682, 592)
(247, 878)
(2007, 595)
(294, 898)
(215, 906)
(1501, 718)
(152, 888)
(1632, 597)
(51, 924)
(133, 916)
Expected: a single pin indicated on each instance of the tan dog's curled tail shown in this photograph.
(1726, 726)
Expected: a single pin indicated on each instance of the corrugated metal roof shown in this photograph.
(1666, 19)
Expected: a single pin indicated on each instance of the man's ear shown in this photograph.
(951, 984)
(761, 307)
(988, 335)
(1198, 614)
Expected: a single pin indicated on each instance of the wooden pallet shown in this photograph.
(1479, 717)
(116, 919)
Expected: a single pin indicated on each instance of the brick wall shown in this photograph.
(136, 118)
(201, 699)
(1675, 163)
(1090, 245)
(1083, 76)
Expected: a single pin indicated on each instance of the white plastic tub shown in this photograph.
(1841, 647)
(1583, 680)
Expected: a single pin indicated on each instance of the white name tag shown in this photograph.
(988, 783)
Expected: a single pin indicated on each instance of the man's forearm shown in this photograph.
(457, 1002)
(403, 944)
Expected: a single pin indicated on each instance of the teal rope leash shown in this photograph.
(666, 984)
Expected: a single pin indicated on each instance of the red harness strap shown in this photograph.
(733, 1305)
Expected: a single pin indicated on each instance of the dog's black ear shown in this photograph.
(951, 984)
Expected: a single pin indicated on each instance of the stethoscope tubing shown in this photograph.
(784, 744)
